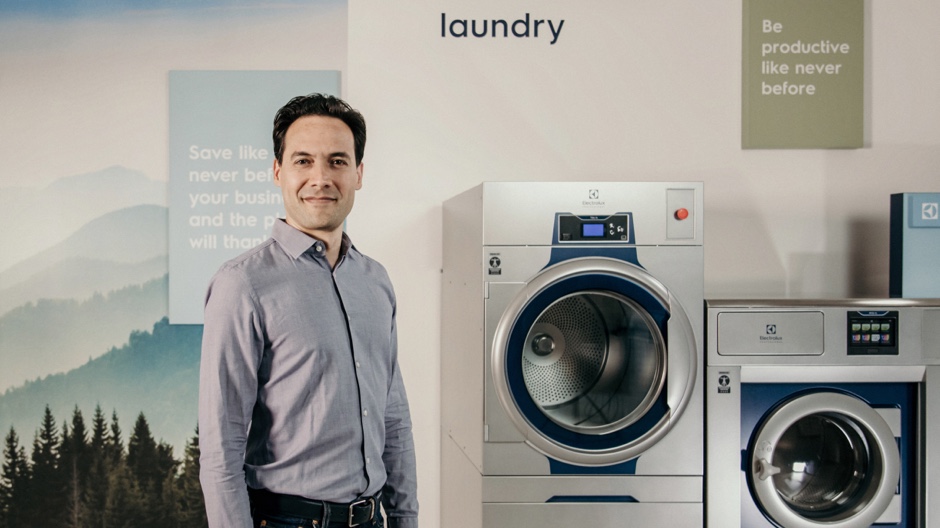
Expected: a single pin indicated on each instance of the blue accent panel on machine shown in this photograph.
(599, 248)
(561, 254)
(516, 343)
(557, 467)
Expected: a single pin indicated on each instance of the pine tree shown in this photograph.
(192, 505)
(79, 443)
(142, 453)
(73, 468)
(144, 462)
(99, 431)
(166, 464)
(124, 504)
(14, 483)
(168, 512)
(74, 506)
(163, 497)
(114, 446)
(96, 490)
(46, 489)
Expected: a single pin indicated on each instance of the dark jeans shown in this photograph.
(277, 521)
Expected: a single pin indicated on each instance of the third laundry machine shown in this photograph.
(915, 245)
(572, 349)
(817, 412)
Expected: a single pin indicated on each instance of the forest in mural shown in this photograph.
(87, 475)
(69, 471)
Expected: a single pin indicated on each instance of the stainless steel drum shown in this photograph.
(593, 375)
(594, 362)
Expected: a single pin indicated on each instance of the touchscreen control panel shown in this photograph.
(872, 333)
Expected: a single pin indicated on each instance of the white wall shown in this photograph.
(639, 90)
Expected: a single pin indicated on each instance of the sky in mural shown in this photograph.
(85, 83)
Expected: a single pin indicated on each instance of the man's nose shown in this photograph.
(320, 175)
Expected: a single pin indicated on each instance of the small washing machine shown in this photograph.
(817, 412)
(572, 352)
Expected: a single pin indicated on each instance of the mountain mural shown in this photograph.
(37, 219)
(51, 336)
(75, 300)
(81, 278)
(130, 235)
(155, 372)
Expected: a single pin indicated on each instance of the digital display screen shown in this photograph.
(592, 230)
(873, 333)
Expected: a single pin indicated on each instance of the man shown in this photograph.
(303, 419)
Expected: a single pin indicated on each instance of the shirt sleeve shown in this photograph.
(232, 346)
(400, 494)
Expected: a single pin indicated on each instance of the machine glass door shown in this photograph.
(582, 356)
(823, 459)
(594, 362)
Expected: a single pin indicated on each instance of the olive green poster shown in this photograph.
(803, 74)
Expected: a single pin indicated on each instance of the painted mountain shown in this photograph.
(83, 305)
(155, 373)
(35, 219)
(84, 295)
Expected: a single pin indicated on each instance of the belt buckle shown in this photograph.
(352, 510)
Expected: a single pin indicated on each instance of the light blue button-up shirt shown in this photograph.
(300, 391)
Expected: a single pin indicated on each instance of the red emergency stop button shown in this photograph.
(682, 213)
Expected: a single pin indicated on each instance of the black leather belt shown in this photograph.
(352, 514)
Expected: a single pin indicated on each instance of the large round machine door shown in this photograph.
(594, 361)
(823, 459)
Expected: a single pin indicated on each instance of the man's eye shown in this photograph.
(339, 162)
(302, 162)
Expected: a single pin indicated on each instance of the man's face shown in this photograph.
(318, 175)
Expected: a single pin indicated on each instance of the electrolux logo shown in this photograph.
(593, 199)
(930, 211)
(770, 333)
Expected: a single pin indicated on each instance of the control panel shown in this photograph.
(872, 333)
(613, 228)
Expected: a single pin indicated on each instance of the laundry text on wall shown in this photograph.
(525, 27)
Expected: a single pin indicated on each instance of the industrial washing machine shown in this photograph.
(572, 351)
(818, 413)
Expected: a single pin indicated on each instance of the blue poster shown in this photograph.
(221, 195)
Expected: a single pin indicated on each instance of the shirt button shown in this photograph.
(318, 248)
(365, 412)
(357, 364)
(368, 460)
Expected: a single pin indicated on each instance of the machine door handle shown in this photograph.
(764, 469)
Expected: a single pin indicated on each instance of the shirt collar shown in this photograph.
(296, 242)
